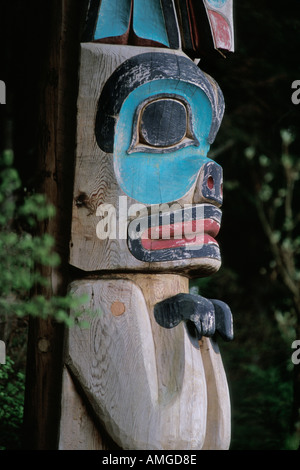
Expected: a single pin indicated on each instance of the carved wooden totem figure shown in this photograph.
(147, 371)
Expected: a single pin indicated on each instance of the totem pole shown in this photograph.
(146, 373)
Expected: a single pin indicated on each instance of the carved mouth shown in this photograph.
(181, 234)
(196, 233)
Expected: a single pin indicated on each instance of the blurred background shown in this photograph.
(258, 148)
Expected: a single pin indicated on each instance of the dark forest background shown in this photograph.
(258, 148)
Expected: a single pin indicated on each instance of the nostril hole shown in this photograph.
(210, 182)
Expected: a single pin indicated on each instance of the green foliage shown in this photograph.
(12, 386)
(22, 252)
(263, 293)
(256, 83)
(257, 364)
(276, 200)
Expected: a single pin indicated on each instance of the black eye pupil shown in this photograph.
(163, 123)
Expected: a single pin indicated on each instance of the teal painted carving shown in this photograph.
(197, 27)
(115, 17)
(146, 169)
(140, 174)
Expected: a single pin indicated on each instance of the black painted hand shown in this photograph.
(203, 317)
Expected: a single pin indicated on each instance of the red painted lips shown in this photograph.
(179, 234)
(193, 233)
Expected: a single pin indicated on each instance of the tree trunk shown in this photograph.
(60, 37)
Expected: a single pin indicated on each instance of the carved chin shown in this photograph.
(204, 267)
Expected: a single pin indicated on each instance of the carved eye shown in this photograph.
(162, 125)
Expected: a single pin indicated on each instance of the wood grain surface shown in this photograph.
(147, 385)
(95, 181)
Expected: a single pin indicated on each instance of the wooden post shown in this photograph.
(146, 373)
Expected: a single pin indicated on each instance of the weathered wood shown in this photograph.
(126, 381)
(146, 215)
(78, 429)
(220, 15)
(108, 176)
(163, 74)
(136, 375)
(218, 412)
(218, 429)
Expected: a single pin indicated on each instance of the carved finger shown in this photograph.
(223, 319)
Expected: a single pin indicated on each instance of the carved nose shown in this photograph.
(209, 186)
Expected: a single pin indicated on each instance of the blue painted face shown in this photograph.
(217, 3)
(161, 140)
(157, 115)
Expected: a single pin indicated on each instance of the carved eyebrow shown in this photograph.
(145, 68)
(162, 124)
